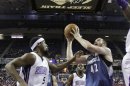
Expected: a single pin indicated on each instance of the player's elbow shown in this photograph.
(111, 60)
(7, 66)
(90, 48)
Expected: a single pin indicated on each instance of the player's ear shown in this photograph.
(39, 44)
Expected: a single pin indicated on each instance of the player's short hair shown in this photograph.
(105, 43)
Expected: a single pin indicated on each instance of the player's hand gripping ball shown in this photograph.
(68, 29)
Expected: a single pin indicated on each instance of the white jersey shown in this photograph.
(79, 81)
(128, 42)
(37, 74)
(126, 61)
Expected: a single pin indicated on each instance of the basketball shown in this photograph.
(68, 29)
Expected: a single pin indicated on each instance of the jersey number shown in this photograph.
(94, 68)
(43, 80)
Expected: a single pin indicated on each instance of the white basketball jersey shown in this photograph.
(78, 81)
(128, 42)
(37, 74)
(126, 61)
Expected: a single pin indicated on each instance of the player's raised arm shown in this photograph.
(125, 8)
(69, 38)
(56, 68)
(87, 45)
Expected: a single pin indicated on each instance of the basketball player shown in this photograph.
(52, 78)
(126, 59)
(78, 78)
(52, 81)
(98, 63)
(34, 65)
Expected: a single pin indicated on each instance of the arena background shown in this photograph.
(20, 21)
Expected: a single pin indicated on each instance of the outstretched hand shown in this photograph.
(75, 33)
(78, 54)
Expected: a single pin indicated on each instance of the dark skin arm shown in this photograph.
(70, 80)
(56, 68)
(26, 59)
(126, 12)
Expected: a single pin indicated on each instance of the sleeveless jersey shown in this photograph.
(97, 72)
(37, 74)
(126, 61)
(78, 81)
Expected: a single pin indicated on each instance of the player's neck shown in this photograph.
(39, 53)
(80, 74)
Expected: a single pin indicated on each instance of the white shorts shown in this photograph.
(126, 68)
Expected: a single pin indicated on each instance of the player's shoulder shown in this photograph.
(28, 56)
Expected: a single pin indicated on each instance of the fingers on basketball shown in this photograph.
(69, 30)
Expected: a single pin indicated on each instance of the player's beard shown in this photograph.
(46, 53)
(80, 70)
